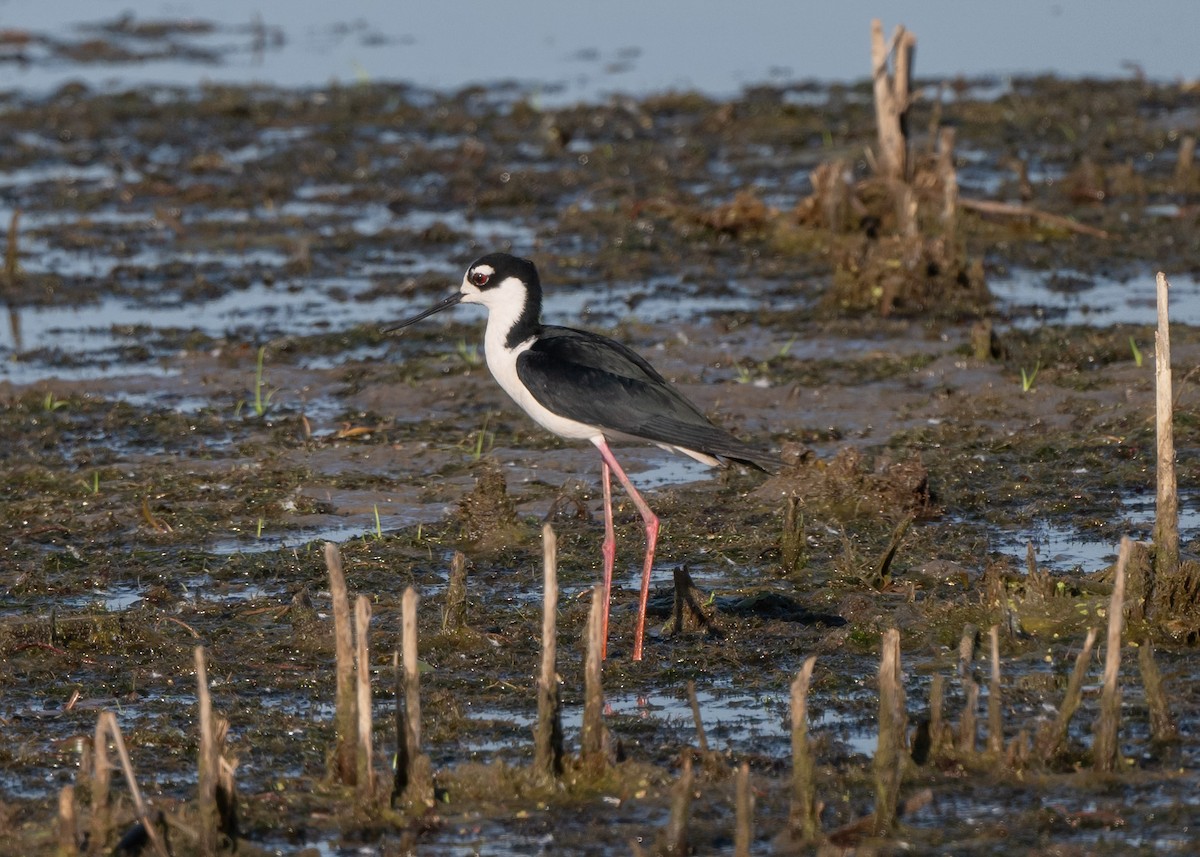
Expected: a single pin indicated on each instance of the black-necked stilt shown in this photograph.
(583, 386)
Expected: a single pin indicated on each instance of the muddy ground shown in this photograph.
(198, 394)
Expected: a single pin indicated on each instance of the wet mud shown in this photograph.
(197, 394)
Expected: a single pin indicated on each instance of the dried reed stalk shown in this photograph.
(743, 833)
(949, 179)
(139, 805)
(548, 735)
(995, 740)
(345, 769)
(1162, 724)
(454, 615)
(592, 739)
(1106, 747)
(1186, 159)
(208, 762)
(1052, 738)
(100, 826)
(68, 822)
(803, 819)
(364, 757)
(675, 836)
(694, 704)
(892, 97)
(968, 731)
(401, 765)
(888, 753)
(937, 696)
(419, 788)
(1166, 514)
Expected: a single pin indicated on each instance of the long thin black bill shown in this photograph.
(446, 304)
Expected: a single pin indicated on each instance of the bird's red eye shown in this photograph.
(478, 278)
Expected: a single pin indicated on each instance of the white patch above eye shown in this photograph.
(472, 292)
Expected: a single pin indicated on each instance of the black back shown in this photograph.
(598, 381)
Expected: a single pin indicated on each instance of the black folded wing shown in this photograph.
(597, 381)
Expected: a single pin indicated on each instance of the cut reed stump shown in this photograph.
(674, 839)
(892, 98)
(687, 603)
(454, 615)
(343, 767)
(68, 823)
(694, 704)
(1052, 737)
(1162, 724)
(743, 834)
(792, 546)
(949, 180)
(209, 763)
(548, 735)
(1166, 518)
(804, 819)
(100, 823)
(968, 728)
(1175, 588)
(889, 752)
(417, 788)
(937, 724)
(995, 740)
(592, 740)
(1106, 750)
(152, 832)
(1185, 162)
(364, 757)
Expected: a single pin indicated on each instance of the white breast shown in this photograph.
(502, 362)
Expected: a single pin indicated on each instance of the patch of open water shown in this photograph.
(1064, 297)
(1065, 548)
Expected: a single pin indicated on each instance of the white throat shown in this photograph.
(505, 304)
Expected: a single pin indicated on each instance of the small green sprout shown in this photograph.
(261, 401)
(482, 437)
(468, 352)
(1028, 378)
(1137, 352)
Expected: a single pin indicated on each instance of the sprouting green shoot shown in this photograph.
(1027, 378)
(787, 346)
(258, 532)
(743, 374)
(1137, 352)
(378, 525)
(52, 403)
(482, 437)
(419, 526)
(95, 481)
(467, 352)
(261, 402)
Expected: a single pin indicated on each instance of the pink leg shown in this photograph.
(651, 522)
(609, 549)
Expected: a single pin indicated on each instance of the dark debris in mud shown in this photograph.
(223, 400)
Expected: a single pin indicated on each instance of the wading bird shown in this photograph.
(583, 386)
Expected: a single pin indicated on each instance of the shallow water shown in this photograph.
(149, 502)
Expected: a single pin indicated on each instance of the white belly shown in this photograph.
(503, 364)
